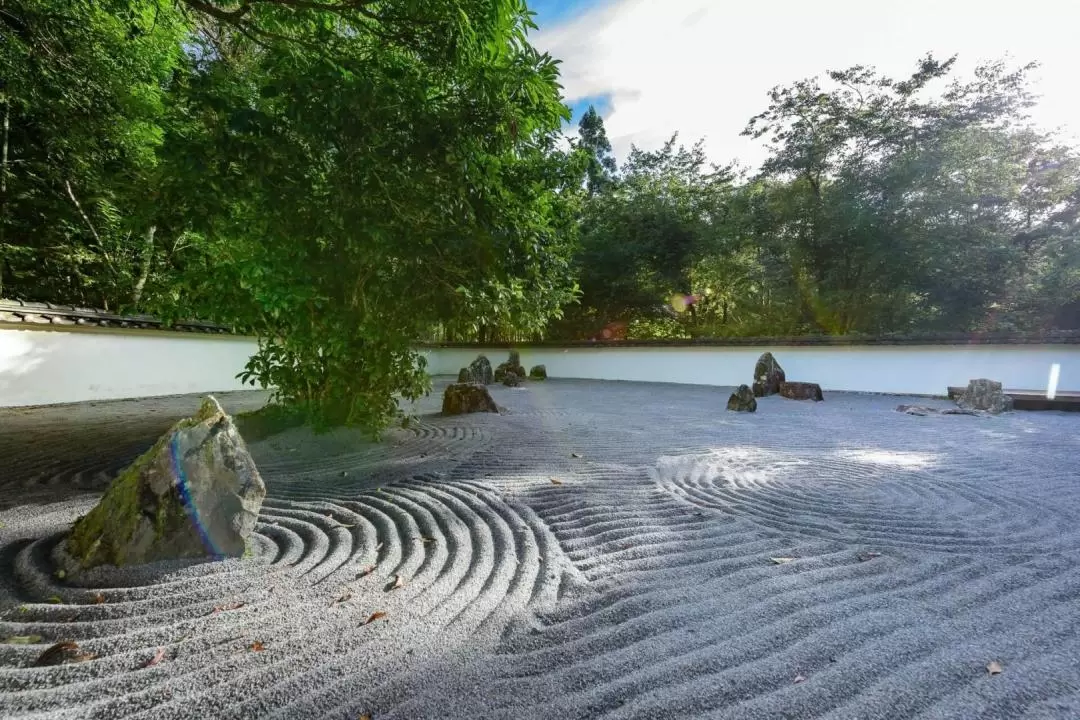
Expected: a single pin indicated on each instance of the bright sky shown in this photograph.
(702, 67)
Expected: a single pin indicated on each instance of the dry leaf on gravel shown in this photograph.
(227, 607)
(575, 455)
(378, 547)
(99, 599)
(158, 657)
(23, 640)
(365, 716)
(366, 571)
(63, 653)
(344, 597)
(863, 557)
(257, 646)
(427, 540)
(995, 668)
(397, 583)
(780, 560)
(799, 679)
(556, 481)
(373, 617)
(56, 600)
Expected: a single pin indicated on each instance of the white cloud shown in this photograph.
(703, 67)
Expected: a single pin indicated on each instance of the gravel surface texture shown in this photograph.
(598, 550)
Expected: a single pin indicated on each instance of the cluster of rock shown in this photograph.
(195, 493)
(980, 397)
(769, 379)
(469, 394)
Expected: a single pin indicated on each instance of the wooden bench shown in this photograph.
(1034, 399)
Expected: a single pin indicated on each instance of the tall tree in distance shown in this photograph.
(594, 140)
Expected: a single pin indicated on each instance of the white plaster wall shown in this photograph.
(40, 367)
(917, 370)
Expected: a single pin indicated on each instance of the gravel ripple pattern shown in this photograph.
(599, 550)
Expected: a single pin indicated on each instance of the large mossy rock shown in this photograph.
(464, 375)
(742, 400)
(538, 372)
(462, 398)
(196, 493)
(768, 375)
(480, 371)
(985, 396)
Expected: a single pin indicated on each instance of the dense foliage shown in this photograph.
(344, 177)
(335, 177)
(882, 207)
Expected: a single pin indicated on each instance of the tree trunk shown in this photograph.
(144, 270)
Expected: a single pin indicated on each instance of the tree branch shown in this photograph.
(71, 194)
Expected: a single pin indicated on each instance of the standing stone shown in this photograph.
(508, 369)
(801, 391)
(538, 372)
(511, 379)
(985, 395)
(767, 375)
(513, 364)
(467, 398)
(480, 370)
(464, 376)
(742, 400)
(196, 493)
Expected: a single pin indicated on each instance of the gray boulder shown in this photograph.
(196, 493)
(538, 372)
(480, 370)
(508, 368)
(464, 398)
(511, 379)
(464, 375)
(742, 400)
(986, 396)
(924, 410)
(768, 375)
(801, 391)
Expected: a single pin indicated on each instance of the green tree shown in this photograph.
(592, 137)
(365, 173)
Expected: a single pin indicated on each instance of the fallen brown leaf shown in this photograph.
(257, 646)
(781, 560)
(99, 599)
(158, 657)
(427, 540)
(556, 481)
(799, 679)
(344, 597)
(366, 571)
(63, 653)
(863, 557)
(995, 668)
(378, 614)
(365, 716)
(236, 605)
